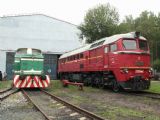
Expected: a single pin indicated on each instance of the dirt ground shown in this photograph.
(108, 104)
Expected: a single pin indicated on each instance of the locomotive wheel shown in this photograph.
(85, 82)
(115, 86)
(102, 85)
(98, 82)
(93, 83)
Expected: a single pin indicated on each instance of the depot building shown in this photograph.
(51, 35)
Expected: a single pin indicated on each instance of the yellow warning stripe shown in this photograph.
(83, 59)
(95, 57)
(134, 67)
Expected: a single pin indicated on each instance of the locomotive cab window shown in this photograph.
(129, 44)
(113, 47)
(22, 51)
(36, 51)
(143, 45)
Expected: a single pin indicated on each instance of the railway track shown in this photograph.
(5, 90)
(6, 93)
(52, 107)
(147, 94)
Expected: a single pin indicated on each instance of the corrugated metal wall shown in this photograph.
(50, 65)
(2, 61)
(9, 64)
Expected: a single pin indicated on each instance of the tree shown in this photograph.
(127, 25)
(149, 26)
(156, 65)
(99, 22)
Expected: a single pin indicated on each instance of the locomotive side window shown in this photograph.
(81, 55)
(143, 45)
(97, 44)
(72, 58)
(113, 47)
(106, 50)
(129, 44)
(78, 56)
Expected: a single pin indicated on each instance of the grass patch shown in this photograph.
(108, 111)
(5, 84)
(115, 112)
(155, 87)
(120, 113)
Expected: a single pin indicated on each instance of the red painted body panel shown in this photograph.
(137, 62)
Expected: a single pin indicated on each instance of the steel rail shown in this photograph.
(5, 90)
(146, 94)
(78, 109)
(6, 96)
(37, 107)
(149, 95)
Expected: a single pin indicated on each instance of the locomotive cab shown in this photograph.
(28, 69)
(28, 62)
(130, 62)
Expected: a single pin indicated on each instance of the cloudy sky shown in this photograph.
(74, 10)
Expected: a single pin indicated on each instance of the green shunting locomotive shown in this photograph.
(28, 69)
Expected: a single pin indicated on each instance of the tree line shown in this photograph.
(103, 21)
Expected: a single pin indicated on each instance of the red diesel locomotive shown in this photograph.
(122, 60)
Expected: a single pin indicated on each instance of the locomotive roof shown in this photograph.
(27, 48)
(28, 51)
(103, 41)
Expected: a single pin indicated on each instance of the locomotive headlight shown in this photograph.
(125, 70)
(150, 70)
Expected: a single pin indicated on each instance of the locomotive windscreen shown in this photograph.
(143, 45)
(36, 51)
(22, 51)
(28, 51)
(132, 44)
(129, 44)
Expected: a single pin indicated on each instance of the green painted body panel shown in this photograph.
(29, 64)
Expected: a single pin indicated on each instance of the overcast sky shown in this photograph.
(74, 10)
